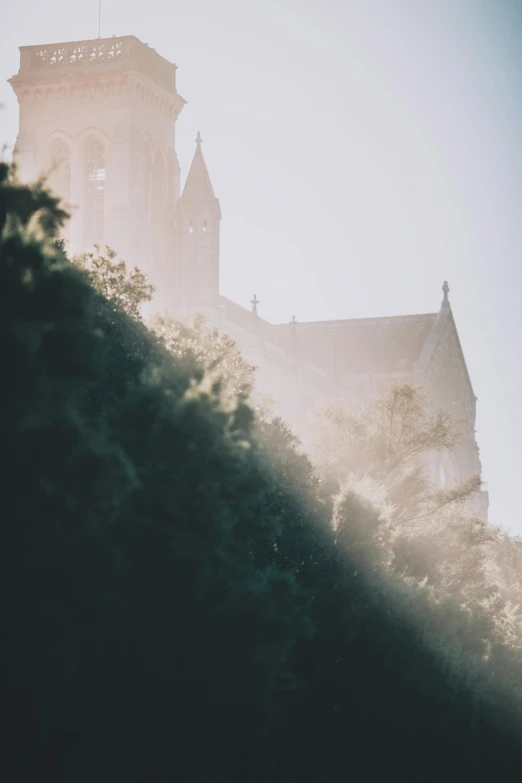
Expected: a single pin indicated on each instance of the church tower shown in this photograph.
(100, 116)
(198, 216)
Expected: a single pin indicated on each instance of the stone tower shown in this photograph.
(198, 216)
(100, 116)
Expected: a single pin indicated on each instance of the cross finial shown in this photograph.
(199, 139)
(254, 302)
(445, 290)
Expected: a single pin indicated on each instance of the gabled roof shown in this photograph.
(445, 317)
(359, 346)
(363, 345)
(461, 352)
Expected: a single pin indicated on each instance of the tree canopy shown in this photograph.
(177, 604)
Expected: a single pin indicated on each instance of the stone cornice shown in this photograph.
(103, 85)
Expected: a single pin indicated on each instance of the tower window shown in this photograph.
(205, 227)
(97, 177)
(94, 184)
(191, 228)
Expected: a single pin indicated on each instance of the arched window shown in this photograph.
(60, 170)
(94, 188)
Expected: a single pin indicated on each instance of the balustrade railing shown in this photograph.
(108, 51)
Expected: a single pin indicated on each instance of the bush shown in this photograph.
(176, 605)
(138, 625)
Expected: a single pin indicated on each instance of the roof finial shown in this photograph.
(445, 290)
(254, 302)
(199, 139)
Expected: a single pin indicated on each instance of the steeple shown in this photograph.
(198, 192)
(197, 242)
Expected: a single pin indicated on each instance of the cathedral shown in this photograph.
(99, 118)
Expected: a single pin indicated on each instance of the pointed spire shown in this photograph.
(198, 190)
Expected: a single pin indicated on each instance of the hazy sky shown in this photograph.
(363, 151)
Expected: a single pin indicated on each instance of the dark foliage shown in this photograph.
(130, 599)
(174, 604)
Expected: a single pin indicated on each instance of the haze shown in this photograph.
(363, 152)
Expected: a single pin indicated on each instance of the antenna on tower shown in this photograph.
(99, 18)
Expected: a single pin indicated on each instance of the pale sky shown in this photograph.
(363, 151)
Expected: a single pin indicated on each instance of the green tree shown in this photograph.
(426, 534)
(215, 353)
(133, 609)
(109, 275)
(175, 602)
(390, 440)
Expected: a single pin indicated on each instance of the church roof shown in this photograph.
(364, 345)
(360, 346)
(198, 188)
(357, 346)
